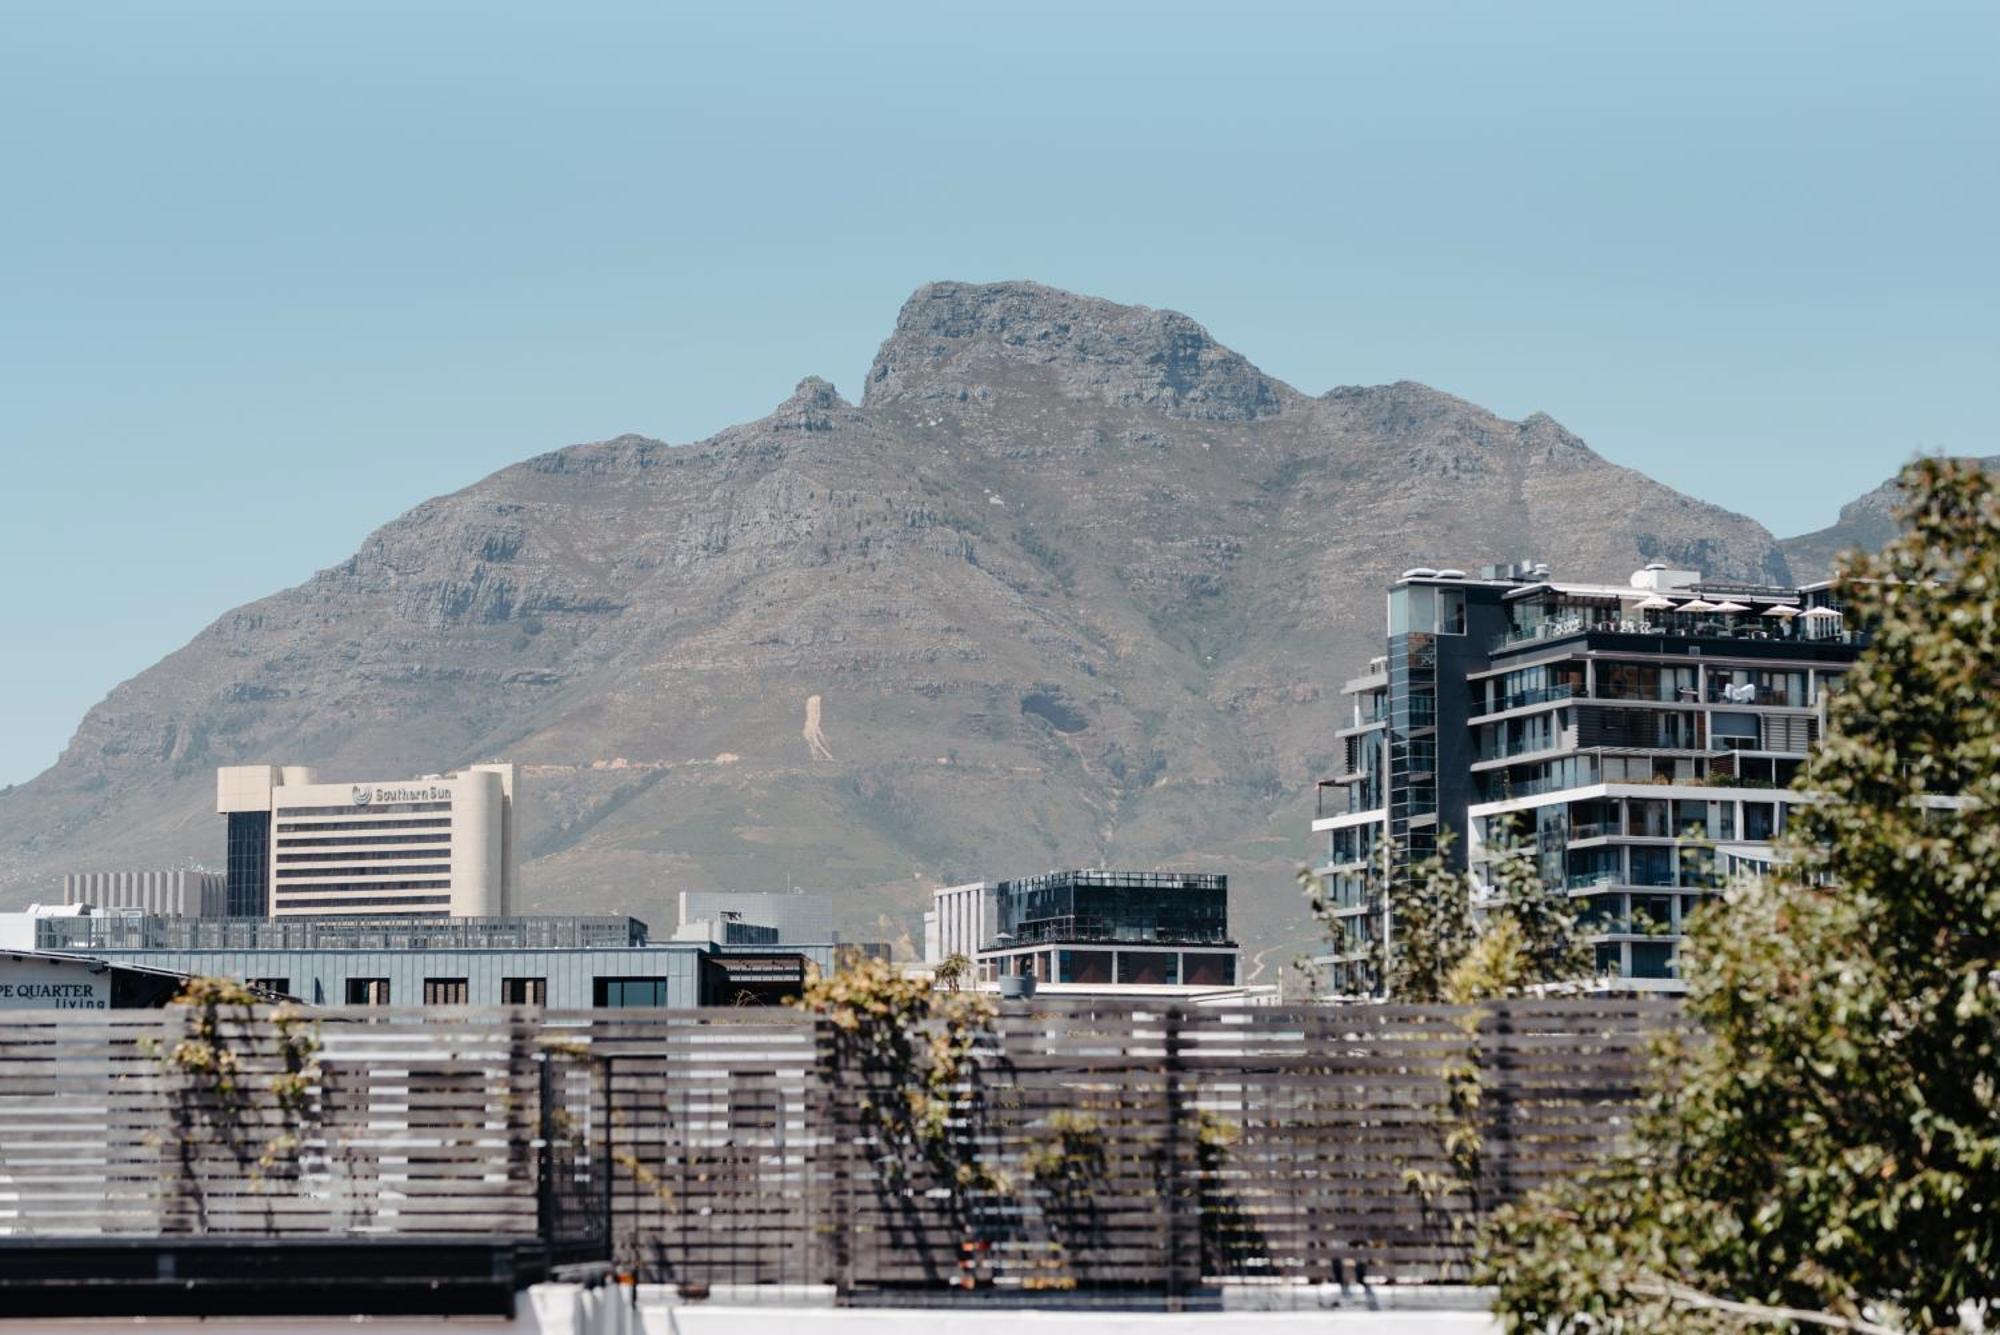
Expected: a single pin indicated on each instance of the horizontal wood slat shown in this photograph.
(1265, 1144)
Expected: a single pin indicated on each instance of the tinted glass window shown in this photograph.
(629, 992)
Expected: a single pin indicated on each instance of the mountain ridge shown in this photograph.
(1073, 584)
(1866, 523)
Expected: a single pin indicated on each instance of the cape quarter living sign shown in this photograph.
(43, 985)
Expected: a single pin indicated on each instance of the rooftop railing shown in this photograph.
(133, 931)
(1056, 931)
(1744, 629)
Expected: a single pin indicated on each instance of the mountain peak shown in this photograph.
(949, 335)
(810, 408)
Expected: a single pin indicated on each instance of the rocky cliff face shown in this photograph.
(1074, 585)
(1866, 524)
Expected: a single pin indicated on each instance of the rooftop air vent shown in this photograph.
(1451, 574)
(1656, 565)
(1419, 572)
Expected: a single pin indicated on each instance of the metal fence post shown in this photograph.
(545, 1164)
(1177, 1182)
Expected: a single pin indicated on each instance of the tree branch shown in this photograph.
(1681, 1293)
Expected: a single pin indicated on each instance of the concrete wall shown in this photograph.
(567, 1309)
(320, 977)
(798, 917)
(180, 893)
(961, 926)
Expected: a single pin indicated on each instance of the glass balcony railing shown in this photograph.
(1740, 628)
(1058, 930)
(1540, 695)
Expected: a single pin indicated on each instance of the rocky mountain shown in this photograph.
(1074, 584)
(1866, 523)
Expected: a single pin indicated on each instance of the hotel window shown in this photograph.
(445, 991)
(282, 986)
(524, 991)
(367, 991)
(628, 992)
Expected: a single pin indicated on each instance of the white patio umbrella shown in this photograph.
(1655, 604)
(1820, 614)
(1729, 608)
(1697, 605)
(1786, 612)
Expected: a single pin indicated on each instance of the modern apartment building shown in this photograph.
(438, 846)
(1090, 929)
(1639, 737)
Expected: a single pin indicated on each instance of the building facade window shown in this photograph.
(445, 991)
(1208, 970)
(248, 864)
(1157, 967)
(524, 991)
(281, 986)
(367, 991)
(613, 992)
(1083, 966)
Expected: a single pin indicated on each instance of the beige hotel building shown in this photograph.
(438, 846)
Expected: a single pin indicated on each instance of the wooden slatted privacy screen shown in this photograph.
(1095, 1147)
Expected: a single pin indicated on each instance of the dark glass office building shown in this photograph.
(1641, 737)
(1112, 927)
(248, 864)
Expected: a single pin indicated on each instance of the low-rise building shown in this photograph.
(559, 962)
(794, 915)
(184, 892)
(1091, 930)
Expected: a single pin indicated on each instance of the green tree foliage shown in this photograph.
(906, 1048)
(1531, 938)
(1430, 927)
(1436, 951)
(1825, 1150)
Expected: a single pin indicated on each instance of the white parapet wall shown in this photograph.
(570, 1309)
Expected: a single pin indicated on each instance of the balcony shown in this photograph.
(1340, 798)
(1541, 695)
(1723, 693)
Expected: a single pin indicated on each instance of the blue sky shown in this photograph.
(274, 273)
